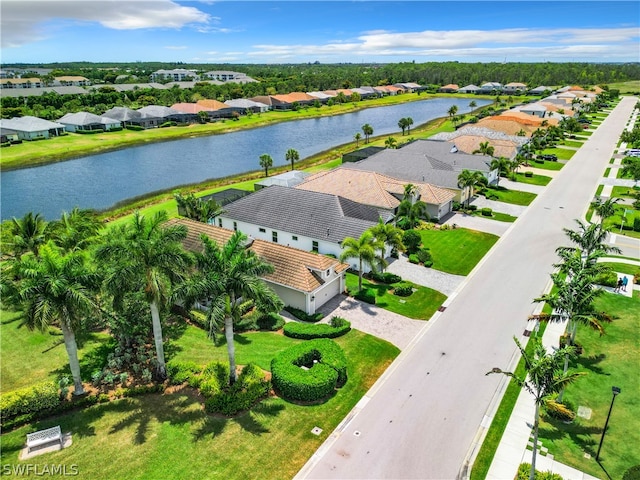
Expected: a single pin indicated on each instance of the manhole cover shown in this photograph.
(356, 433)
(316, 430)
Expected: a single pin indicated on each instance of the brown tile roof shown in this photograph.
(191, 107)
(294, 97)
(71, 78)
(292, 266)
(346, 91)
(393, 88)
(471, 143)
(506, 125)
(370, 188)
(212, 104)
(525, 118)
(451, 86)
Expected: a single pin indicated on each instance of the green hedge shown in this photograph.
(29, 400)
(135, 128)
(366, 295)
(386, 278)
(180, 372)
(608, 279)
(250, 387)
(302, 315)
(403, 290)
(327, 370)
(336, 328)
(90, 132)
(424, 255)
(486, 212)
(413, 258)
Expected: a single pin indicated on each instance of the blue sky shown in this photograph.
(35, 31)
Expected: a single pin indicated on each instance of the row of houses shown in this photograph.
(493, 88)
(35, 82)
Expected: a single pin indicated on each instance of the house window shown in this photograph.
(328, 272)
(235, 226)
(261, 230)
(274, 237)
(294, 237)
(220, 222)
(314, 246)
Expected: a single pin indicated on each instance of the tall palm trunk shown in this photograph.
(72, 351)
(536, 422)
(360, 276)
(231, 348)
(157, 338)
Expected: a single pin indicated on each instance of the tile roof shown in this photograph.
(371, 188)
(244, 103)
(294, 97)
(123, 114)
(29, 124)
(212, 104)
(159, 111)
(468, 139)
(523, 118)
(451, 86)
(315, 215)
(190, 108)
(86, 118)
(291, 265)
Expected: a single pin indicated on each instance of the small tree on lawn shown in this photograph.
(543, 377)
(292, 156)
(364, 249)
(266, 162)
(368, 131)
(387, 234)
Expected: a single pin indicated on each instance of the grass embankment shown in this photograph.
(458, 250)
(76, 145)
(170, 435)
(420, 305)
(632, 87)
(33, 357)
(610, 360)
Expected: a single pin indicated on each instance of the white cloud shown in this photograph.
(22, 21)
(516, 44)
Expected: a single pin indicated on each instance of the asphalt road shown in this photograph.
(419, 420)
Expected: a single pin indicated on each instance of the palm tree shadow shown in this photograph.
(580, 435)
(591, 363)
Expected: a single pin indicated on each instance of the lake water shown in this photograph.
(100, 181)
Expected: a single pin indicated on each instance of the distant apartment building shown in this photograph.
(175, 75)
(20, 83)
(227, 76)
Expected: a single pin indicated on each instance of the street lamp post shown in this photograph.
(615, 391)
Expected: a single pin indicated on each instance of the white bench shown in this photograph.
(43, 437)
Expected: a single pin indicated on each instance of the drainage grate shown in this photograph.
(442, 309)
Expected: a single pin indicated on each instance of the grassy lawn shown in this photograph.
(533, 180)
(457, 251)
(500, 217)
(165, 436)
(32, 357)
(546, 165)
(609, 360)
(572, 143)
(614, 222)
(561, 153)
(625, 268)
(619, 191)
(420, 305)
(514, 197)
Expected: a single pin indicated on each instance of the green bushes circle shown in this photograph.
(325, 369)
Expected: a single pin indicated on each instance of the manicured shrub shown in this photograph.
(424, 255)
(636, 224)
(403, 290)
(366, 295)
(525, 468)
(29, 400)
(387, 278)
(486, 212)
(456, 206)
(180, 372)
(473, 208)
(199, 319)
(270, 322)
(302, 315)
(168, 124)
(250, 387)
(608, 279)
(90, 132)
(413, 258)
(428, 264)
(135, 128)
(325, 370)
(528, 174)
(411, 240)
(338, 327)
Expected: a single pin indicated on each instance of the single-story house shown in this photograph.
(126, 116)
(540, 90)
(217, 109)
(364, 92)
(376, 190)
(323, 97)
(310, 221)
(536, 109)
(491, 87)
(428, 161)
(301, 279)
(8, 135)
(408, 87)
(162, 114)
(450, 88)
(85, 121)
(32, 128)
(191, 111)
(245, 104)
(468, 140)
(285, 179)
(469, 89)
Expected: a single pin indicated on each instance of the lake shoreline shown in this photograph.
(195, 130)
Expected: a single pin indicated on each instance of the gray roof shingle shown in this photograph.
(316, 215)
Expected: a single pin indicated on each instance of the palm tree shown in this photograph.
(473, 104)
(368, 131)
(230, 275)
(410, 213)
(292, 156)
(503, 165)
(589, 238)
(364, 249)
(266, 162)
(606, 208)
(76, 230)
(56, 289)
(387, 235)
(391, 143)
(145, 256)
(402, 123)
(357, 138)
(543, 377)
(409, 123)
(27, 234)
(453, 110)
(485, 149)
(469, 179)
